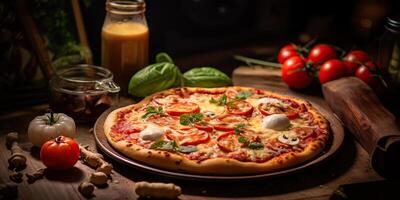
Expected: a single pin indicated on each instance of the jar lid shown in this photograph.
(393, 24)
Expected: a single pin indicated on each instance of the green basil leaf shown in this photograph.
(154, 78)
(206, 77)
(239, 128)
(243, 95)
(163, 57)
(187, 149)
(187, 119)
(243, 140)
(151, 110)
(164, 145)
(221, 101)
(255, 145)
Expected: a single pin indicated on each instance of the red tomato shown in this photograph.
(371, 66)
(228, 122)
(294, 73)
(354, 59)
(204, 127)
(269, 109)
(60, 153)
(286, 52)
(357, 56)
(332, 70)
(364, 74)
(177, 109)
(321, 53)
(228, 141)
(189, 137)
(240, 108)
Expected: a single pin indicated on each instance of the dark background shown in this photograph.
(186, 28)
(198, 33)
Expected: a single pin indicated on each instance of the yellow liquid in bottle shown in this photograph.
(124, 50)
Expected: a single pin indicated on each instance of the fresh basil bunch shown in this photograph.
(206, 77)
(165, 74)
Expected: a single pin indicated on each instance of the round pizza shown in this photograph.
(220, 131)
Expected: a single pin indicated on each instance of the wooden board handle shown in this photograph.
(371, 123)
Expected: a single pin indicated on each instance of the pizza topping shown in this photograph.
(288, 139)
(228, 122)
(228, 142)
(255, 145)
(164, 145)
(151, 110)
(203, 126)
(168, 99)
(188, 119)
(305, 132)
(239, 128)
(278, 108)
(187, 149)
(151, 133)
(189, 137)
(269, 100)
(221, 101)
(239, 108)
(178, 109)
(277, 122)
(209, 114)
(243, 95)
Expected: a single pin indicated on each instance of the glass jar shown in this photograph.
(125, 40)
(83, 92)
(389, 51)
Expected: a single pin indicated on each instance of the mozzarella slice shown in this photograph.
(151, 133)
(277, 122)
(268, 100)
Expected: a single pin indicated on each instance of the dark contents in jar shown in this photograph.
(84, 105)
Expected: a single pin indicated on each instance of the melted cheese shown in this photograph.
(152, 133)
(277, 122)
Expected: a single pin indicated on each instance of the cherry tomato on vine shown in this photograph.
(60, 153)
(357, 56)
(354, 59)
(365, 75)
(296, 74)
(371, 66)
(321, 53)
(286, 52)
(332, 70)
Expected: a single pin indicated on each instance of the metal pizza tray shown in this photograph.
(333, 146)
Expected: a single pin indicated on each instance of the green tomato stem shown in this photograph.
(258, 62)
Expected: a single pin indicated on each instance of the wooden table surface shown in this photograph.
(349, 165)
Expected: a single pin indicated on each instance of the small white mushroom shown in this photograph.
(288, 139)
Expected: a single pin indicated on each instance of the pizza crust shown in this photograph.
(217, 166)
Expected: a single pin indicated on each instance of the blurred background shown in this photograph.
(193, 32)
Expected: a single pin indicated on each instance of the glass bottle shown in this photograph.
(389, 51)
(125, 40)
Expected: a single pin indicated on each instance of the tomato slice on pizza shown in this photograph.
(240, 108)
(178, 109)
(188, 137)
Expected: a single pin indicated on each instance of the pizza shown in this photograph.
(218, 131)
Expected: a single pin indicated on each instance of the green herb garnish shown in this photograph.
(250, 145)
(151, 110)
(239, 128)
(243, 140)
(187, 119)
(221, 101)
(243, 95)
(164, 145)
(187, 149)
(255, 145)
